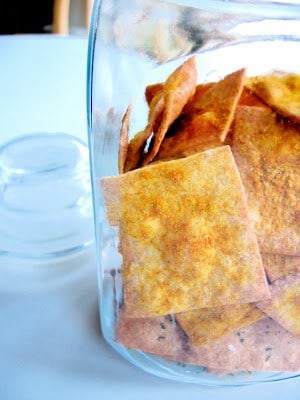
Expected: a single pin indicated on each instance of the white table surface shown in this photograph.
(50, 341)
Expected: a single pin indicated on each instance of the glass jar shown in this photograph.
(132, 46)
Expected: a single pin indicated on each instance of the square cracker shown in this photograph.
(267, 152)
(185, 235)
(261, 346)
(284, 306)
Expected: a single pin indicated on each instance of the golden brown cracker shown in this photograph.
(267, 152)
(185, 236)
(248, 98)
(177, 90)
(281, 91)
(153, 90)
(210, 324)
(221, 100)
(135, 150)
(201, 89)
(164, 107)
(206, 121)
(188, 138)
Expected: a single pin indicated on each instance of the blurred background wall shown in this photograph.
(25, 16)
(36, 16)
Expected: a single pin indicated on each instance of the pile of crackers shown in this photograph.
(207, 206)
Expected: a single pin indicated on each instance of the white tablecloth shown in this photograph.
(50, 341)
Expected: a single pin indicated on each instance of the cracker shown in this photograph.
(267, 152)
(191, 134)
(281, 91)
(221, 100)
(278, 265)
(185, 236)
(157, 88)
(284, 306)
(153, 90)
(210, 324)
(261, 346)
(201, 89)
(166, 102)
(135, 150)
(157, 335)
(248, 98)
(206, 120)
(177, 90)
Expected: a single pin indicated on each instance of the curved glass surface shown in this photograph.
(138, 43)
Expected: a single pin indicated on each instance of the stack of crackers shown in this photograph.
(207, 206)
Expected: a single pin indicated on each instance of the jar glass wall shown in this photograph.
(132, 46)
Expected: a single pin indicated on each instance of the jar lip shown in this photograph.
(269, 8)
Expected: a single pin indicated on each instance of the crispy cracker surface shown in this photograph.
(248, 98)
(166, 102)
(267, 152)
(278, 265)
(185, 236)
(281, 91)
(284, 306)
(136, 146)
(153, 90)
(177, 90)
(206, 118)
(158, 335)
(210, 324)
(261, 346)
